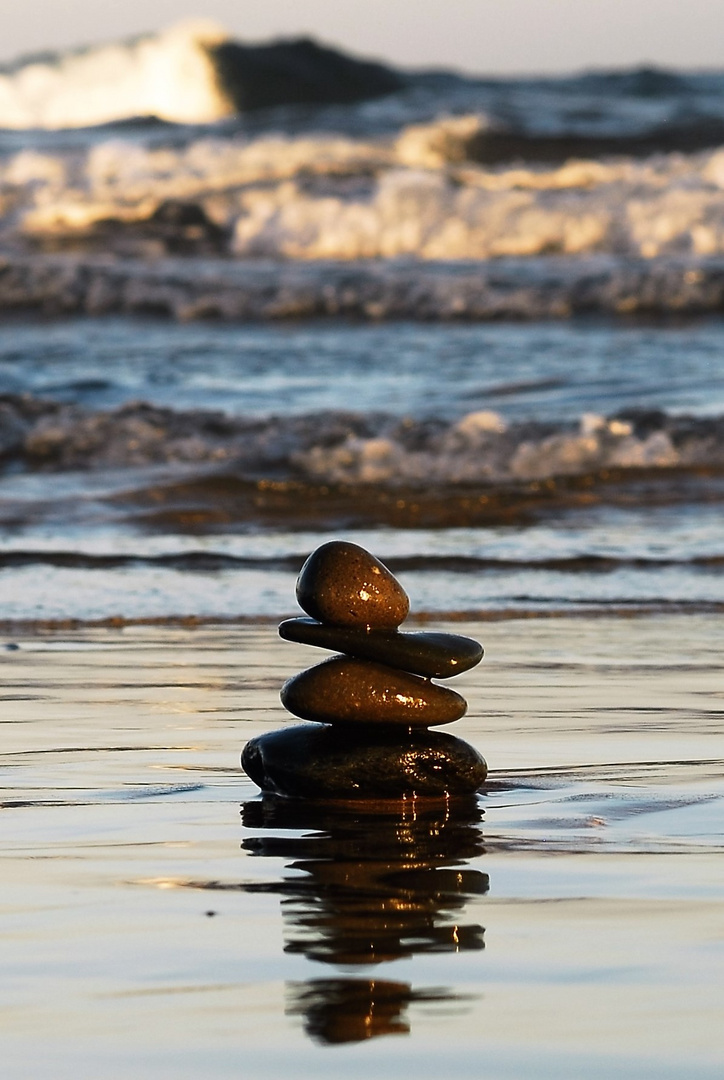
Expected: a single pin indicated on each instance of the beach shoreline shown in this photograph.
(598, 828)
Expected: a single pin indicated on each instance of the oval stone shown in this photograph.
(428, 653)
(343, 690)
(342, 584)
(313, 761)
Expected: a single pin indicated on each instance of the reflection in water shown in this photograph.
(350, 1010)
(367, 888)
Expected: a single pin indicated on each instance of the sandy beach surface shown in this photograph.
(570, 926)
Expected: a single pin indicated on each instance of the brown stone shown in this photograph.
(342, 584)
(425, 652)
(343, 690)
(314, 761)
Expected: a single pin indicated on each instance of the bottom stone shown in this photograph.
(319, 761)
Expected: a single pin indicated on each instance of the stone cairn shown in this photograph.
(372, 707)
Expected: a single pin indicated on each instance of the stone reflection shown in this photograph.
(351, 1010)
(366, 888)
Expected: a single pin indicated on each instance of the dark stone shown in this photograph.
(342, 584)
(297, 72)
(343, 690)
(427, 653)
(320, 762)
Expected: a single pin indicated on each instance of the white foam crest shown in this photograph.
(435, 215)
(127, 181)
(334, 197)
(124, 171)
(169, 75)
(331, 447)
(428, 146)
(468, 453)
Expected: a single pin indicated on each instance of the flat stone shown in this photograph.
(342, 584)
(343, 690)
(426, 653)
(314, 761)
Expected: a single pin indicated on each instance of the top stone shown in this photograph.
(343, 585)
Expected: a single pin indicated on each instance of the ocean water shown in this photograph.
(599, 191)
(475, 321)
(155, 470)
(474, 325)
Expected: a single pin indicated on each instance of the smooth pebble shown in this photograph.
(342, 584)
(343, 690)
(314, 761)
(428, 653)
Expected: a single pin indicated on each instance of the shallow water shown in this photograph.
(445, 450)
(569, 923)
(654, 558)
(550, 372)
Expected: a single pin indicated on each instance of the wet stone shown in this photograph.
(342, 584)
(343, 690)
(320, 762)
(430, 654)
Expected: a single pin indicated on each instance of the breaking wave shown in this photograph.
(594, 193)
(192, 73)
(344, 448)
(169, 75)
(195, 73)
(334, 197)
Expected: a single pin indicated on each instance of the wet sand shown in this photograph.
(567, 924)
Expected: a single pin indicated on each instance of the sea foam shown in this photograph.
(327, 196)
(347, 448)
(350, 211)
(169, 75)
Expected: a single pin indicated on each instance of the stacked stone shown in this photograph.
(371, 708)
